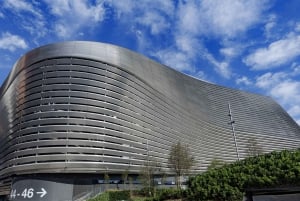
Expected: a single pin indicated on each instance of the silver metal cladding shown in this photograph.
(87, 107)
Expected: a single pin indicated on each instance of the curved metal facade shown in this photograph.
(85, 107)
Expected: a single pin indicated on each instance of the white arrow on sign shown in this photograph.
(42, 193)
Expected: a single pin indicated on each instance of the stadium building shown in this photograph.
(72, 111)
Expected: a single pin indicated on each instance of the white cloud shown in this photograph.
(222, 68)
(1, 15)
(188, 18)
(188, 25)
(270, 80)
(287, 92)
(296, 69)
(219, 18)
(125, 8)
(243, 80)
(183, 55)
(142, 40)
(277, 53)
(12, 42)
(200, 75)
(294, 110)
(270, 25)
(297, 27)
(72, 16)
(20, 5)
(228, 51)
(155, 21)
(225, 18)
(34, 21)
(284, 88)
(151, 14)
(233, 48)
(176, 59)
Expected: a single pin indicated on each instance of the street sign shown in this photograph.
(27, 193)
(40, 190)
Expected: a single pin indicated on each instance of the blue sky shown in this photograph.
(253, 45)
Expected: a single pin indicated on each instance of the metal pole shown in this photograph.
(233, 132)
(148, 171)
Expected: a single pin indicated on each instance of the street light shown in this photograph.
(233, 131)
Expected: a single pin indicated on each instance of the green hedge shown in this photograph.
(230, 181)
(166, 194)
(112, 196)
(161, 194)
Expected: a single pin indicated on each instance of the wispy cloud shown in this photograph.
(243, 80)
(145, 19)
(222, 68)
(295, 111)
(269, 26)
(34, 22)
(288, 92)
(285, 88)
(295, 69)
(202, 76)
(277, 53)
(229, 51)
(225, 18)
(270, 80)
(19, 5)
(222, 19)
(152, 14)
(12, 42)
(153, 20)
(73, 16)
(179, 60)
(206, 39)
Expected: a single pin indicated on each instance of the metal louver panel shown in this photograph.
(85, 107)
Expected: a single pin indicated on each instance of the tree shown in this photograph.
(147, 173)
(125, 177)
(163, 178)
(106, 180)
(180, 161)
(253, 148)
(215, 163)
(130, 186)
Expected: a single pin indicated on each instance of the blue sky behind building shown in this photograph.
(253, 45)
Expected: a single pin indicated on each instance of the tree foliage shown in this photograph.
(112, 196)
(215, 163)
(230, 181)
(180, 160)
(253, 148)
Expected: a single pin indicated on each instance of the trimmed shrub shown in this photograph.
(230, 181)
(112, 196)
(166, 194)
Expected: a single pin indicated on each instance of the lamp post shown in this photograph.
(233, 131)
